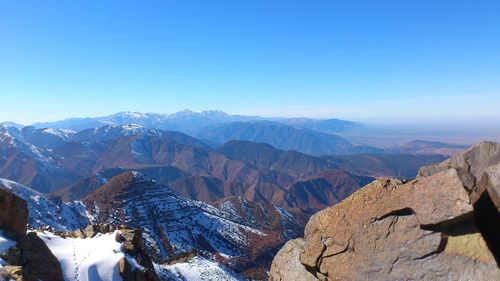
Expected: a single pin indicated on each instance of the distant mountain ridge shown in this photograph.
(307, 135)
(285, 137)
(190, 122)
(186, 121)
(313, 136)
(427, 147)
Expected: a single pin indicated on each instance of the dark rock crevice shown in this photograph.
(460, 225)
(488, 222)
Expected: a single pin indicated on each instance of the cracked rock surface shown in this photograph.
(444, 225)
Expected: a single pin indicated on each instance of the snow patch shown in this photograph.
(62, 133)
(89, 259)
(5, 244)
(197, 269)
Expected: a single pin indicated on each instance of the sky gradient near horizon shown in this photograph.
(400, 60)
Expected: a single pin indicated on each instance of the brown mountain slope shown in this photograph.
(29, 165)
(289, 179)
(321, 191)
(265, 156)
(202, 188)
(284, 137)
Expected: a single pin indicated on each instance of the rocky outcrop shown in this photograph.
(441, 226)
(136, 265)
(13, 214)
(30, 259)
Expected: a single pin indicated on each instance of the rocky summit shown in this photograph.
(444, 225)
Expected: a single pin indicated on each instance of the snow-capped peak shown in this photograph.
(186, 113)
(129, 114)
(62, 133)
(131, 127)
(5, 135)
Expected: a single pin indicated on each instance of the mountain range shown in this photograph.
(225, 191)
(74, 164)
(307, 135)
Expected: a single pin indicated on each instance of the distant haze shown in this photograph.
(382, 132)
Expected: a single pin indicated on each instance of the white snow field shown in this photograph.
(89, 259)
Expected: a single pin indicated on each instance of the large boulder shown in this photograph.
(440, 226)
(477, 162)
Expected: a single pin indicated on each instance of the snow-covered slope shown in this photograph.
(113, 132)
(263, 216)
(174, 223)
(197, 269)
(89, 259)
(12, 138)
(48, 211)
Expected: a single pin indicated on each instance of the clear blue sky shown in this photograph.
(349, 59)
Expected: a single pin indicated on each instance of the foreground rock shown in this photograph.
(13, 214)
(29, 258)
(286, 265)
(442, 226)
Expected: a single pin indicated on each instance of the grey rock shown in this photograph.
(286, 264)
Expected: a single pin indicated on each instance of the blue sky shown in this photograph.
(399, 60)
